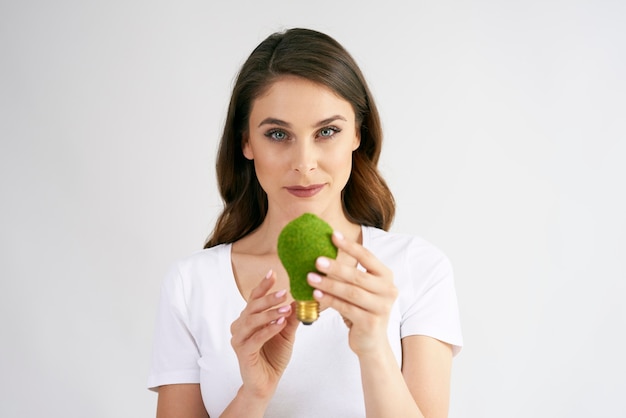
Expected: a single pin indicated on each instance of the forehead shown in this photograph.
(297, 99)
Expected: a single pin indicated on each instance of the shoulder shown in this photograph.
(417, 264)
(402, 247)
(203, 259)
(192, 270)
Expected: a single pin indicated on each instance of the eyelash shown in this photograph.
(334, 130)
(270, 134)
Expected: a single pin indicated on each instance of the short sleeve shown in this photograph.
(175, 352)
(430, 305)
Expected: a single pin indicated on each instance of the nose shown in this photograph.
(304, 158)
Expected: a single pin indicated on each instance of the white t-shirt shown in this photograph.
(200, 300)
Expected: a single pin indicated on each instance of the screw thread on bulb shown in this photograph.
(307, 311)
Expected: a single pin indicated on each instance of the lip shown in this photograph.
(305, 191)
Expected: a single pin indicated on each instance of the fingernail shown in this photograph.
(281, 293)
(269, 274)
(314, 278)
(317, 294)
(338, 235)
(280, 320)
(284, 309)
(323, 262)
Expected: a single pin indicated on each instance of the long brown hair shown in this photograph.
(319, 58)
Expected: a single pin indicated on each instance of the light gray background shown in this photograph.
(505, 146)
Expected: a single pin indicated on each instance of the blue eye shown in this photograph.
(276, 135)
(328, 132)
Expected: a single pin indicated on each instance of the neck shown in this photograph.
(263, 240)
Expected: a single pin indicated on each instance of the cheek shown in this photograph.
(340, 164)
(261, 167)
(266, 166)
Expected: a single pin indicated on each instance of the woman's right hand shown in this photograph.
(263, 338)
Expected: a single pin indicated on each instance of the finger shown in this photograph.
(252, 327)
(355, 279)
(260, 300)
(360, 253)
(265, 303)
(264, 285)
(344, 293)
(354, 313)
(259, 312)
(260, 337)
(292, 320)
(346, 273)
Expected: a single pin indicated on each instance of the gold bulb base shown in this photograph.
(307, 311)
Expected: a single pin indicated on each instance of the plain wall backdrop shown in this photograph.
(505, 146)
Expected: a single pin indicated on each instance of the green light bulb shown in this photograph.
(300, 243)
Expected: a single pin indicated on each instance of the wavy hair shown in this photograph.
(317, 57)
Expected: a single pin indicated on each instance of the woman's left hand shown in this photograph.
(363, 298)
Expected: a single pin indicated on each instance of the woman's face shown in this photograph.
(301, 136)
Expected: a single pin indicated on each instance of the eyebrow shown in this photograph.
(279, 122)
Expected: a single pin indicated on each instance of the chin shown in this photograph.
(323, 212)
(296, 209)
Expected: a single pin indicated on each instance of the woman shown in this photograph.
(302, 134)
